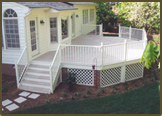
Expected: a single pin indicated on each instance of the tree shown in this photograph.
(140, 14)
(106, 16)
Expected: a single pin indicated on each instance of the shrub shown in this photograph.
(85, 96)
(72, 97)
(11, 84)
(4, 89)
(76, 94)
(70, 79)
(60, 99)
(88, 92)
(103, 90)
(115, 87)
(64, 94)
(113, 91)
(47, 101)
(98, 93)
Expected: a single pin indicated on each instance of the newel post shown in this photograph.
(124, 65)
(102, 52)
(51, 80)
(130, 32)
(119, 31)
(17, 74)
(101, 29)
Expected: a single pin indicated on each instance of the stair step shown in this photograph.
(40, 63)
(37, 77)
(36, 83)
(38, 80)
(38, 68)
(35, 89)
(38, 72)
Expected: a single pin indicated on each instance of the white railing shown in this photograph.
(21, 66)
(130, 33)
(92, 29)
(55, 69)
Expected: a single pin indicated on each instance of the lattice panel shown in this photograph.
(110, 77)
(83, 77)
(134, 71)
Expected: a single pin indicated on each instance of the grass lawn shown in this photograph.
(143, 100)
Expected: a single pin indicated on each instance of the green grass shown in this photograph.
(143, 100)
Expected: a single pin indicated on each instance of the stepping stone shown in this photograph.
(34, 96)
(24, 94)
(12, 107)
(6, 102)
(20, 99)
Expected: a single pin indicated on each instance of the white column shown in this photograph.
(124, 65)
(101, 29)
(130, 32)
(102, 48)
(17, 74)
(119, 31)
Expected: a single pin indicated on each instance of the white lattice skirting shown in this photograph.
(83, 77)
(114, 76)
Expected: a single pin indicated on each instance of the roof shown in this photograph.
(82, 3)
(55, 5)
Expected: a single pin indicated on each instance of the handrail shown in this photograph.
(21, 55)
(55, 56)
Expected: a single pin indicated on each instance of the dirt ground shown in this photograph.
(12, 92)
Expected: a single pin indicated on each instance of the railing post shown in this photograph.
(144, 38)
(119, 31)
(124, 66)
(130, 32)
(102, 48)
(101, 29)
(17, 74)
(51, 82)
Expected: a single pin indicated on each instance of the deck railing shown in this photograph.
(130, 33)
(92, 29)
(21, 66)
(55, 69)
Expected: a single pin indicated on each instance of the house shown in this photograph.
(36, 46)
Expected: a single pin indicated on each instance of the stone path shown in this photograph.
(13, 105)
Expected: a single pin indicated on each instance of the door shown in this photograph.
(73, 24)
(34, 36)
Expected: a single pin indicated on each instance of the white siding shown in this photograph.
(10, 56)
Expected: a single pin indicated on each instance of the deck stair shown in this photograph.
(37, 77)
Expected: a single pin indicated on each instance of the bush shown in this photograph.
(64, 94)
(103, 90)
(88, 92)
(4, 89)
(60, 99)
(70, 79)
(85, 96)
(98, 94)
(76, 94)
(72, 97)
(47, 101)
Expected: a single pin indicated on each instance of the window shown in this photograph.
(85, 16)
(53, 29)
(91, 15)
(33, 35)
(64, 24)
(11, 31)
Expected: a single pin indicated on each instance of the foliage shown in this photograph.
(76, 94)
(88, 92)
(85, 96)
(4, 89)
(156, 38)
(70, 79)
(47, 101)
(150, 54)
(103, 90)
(64, 94)
(60, 99)
(72, 97)
(140, 14)
(98, 93)
(106, 16)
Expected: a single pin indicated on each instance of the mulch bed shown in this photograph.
(12, 92)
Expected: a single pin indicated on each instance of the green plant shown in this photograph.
(11, 84)
(72, 97)
(6, 82)
(155, 75)
(113, 91)
(127, 87)
(60, 99)
(47, 101)
(85, 96)
(76, 94)
(103, 90)
(152, 79)
(98, 93)
(70, 79)
(4, 89)
(88, 92)
(126, 83)
(115, 87)
(64, 94)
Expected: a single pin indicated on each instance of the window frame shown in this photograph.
(84, 16)
(5, 46)
(56, 29)
(92, 11)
